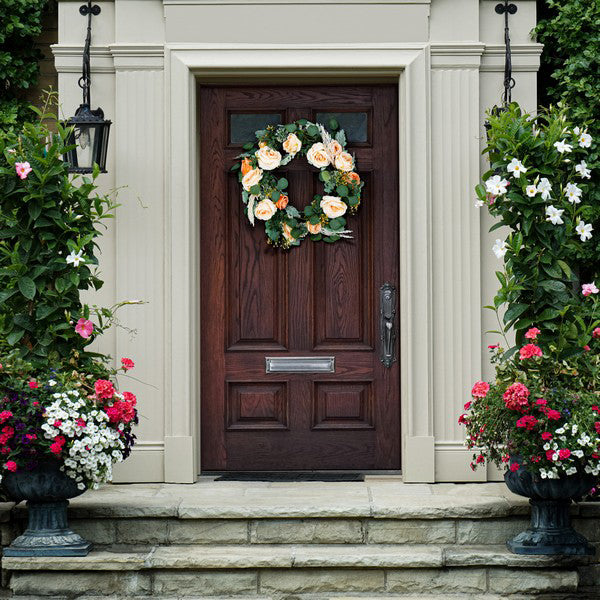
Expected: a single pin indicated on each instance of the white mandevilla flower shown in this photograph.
(584, 230)
(75, 259)
(554, 215)
(563, 147)
(584, 139)
(516, 167)
(500, 248)
(582, 170)
(544, 187)
(531, 190)
(496, 185)
(573, 193)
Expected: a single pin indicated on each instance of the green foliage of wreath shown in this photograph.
(264, 193)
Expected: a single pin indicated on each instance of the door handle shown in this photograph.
(387, 318)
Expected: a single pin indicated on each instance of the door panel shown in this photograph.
(315, 300)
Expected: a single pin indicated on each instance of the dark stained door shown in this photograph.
(318, 299)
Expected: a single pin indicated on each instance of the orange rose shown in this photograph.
(314, 229)
(246, 166)
(287, 233)
(282, 202)
(353, 177)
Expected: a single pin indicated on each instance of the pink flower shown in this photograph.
(23, 169)
(480, 389)
(516, 396)
(127, 363)
(480, 459)
(586, 348)
(553, 415)
(104, 388)
(505, 458)
(595, 333)
(564, 453)
(5, 415)
(84, 328)
(551, 455)
(541, 402)
(129, 397)
(33, 385)
(589, 288)
(55, 448)
(493, 346)
(80, 423)
(57, 423)
(514, 467)
(532, 333)
(462, 420)
(536, 459)
(546, 436)
(11, 465)
(468, 405)
(528, 422)
(529, 351)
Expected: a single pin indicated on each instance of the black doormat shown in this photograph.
(288, 476)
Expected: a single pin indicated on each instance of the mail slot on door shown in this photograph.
(300, 364)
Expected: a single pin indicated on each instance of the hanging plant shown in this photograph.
(264, 193)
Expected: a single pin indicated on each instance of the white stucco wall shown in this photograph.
(447, 56)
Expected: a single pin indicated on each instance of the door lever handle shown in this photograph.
(387, 317)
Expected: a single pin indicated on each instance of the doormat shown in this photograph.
(289, 476)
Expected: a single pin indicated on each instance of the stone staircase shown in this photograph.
(269, 541)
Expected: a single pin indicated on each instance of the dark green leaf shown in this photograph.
(27, 287)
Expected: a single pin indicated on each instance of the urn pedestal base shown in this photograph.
(550, 532)
(48, 534)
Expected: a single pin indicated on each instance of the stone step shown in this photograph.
(288, 569)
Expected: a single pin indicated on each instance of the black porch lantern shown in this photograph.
(90, 129)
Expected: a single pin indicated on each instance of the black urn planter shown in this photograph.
(550, 531)
(47, 490)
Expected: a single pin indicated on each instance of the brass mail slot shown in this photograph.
(300, 364)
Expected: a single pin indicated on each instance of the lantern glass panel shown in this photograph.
(86, 140)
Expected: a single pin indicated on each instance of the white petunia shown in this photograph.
(573, 193)
(479, 203)
(563, 147)
(516, 167)
(545, 187)
(584, 230)
(531, 190)
(571, 471)
(500, 248)
(75, 259)
(496, 185)
(582, 170)
(554, 215)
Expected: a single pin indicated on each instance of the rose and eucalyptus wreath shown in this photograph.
(60, 401)
(541, 411)
(264, 193)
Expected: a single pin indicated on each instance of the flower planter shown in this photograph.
(46, 490)
(550, 531)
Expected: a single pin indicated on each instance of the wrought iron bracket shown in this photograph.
(506, 7)
(86, 9)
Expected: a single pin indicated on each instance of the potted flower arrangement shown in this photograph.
(540, 417)
(63, 422)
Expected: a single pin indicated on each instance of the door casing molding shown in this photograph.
(187, 65)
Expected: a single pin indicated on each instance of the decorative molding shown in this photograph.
(288, 2)
(68, 58)
(138, 56)
(525, 57)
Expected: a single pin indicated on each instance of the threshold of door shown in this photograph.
(285, 476)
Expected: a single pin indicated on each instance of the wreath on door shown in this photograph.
(264, 193)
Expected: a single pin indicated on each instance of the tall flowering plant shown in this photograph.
(59, 401)
(538, 192)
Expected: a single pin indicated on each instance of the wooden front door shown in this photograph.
(316, 300)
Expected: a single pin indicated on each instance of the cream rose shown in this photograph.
(251, 178)
(334, 148)
(292, 144)
(344, 162)
(317, 156)
(264, 210)
(333, 206)
(268, 159)
(313, 228)
(287, 232)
